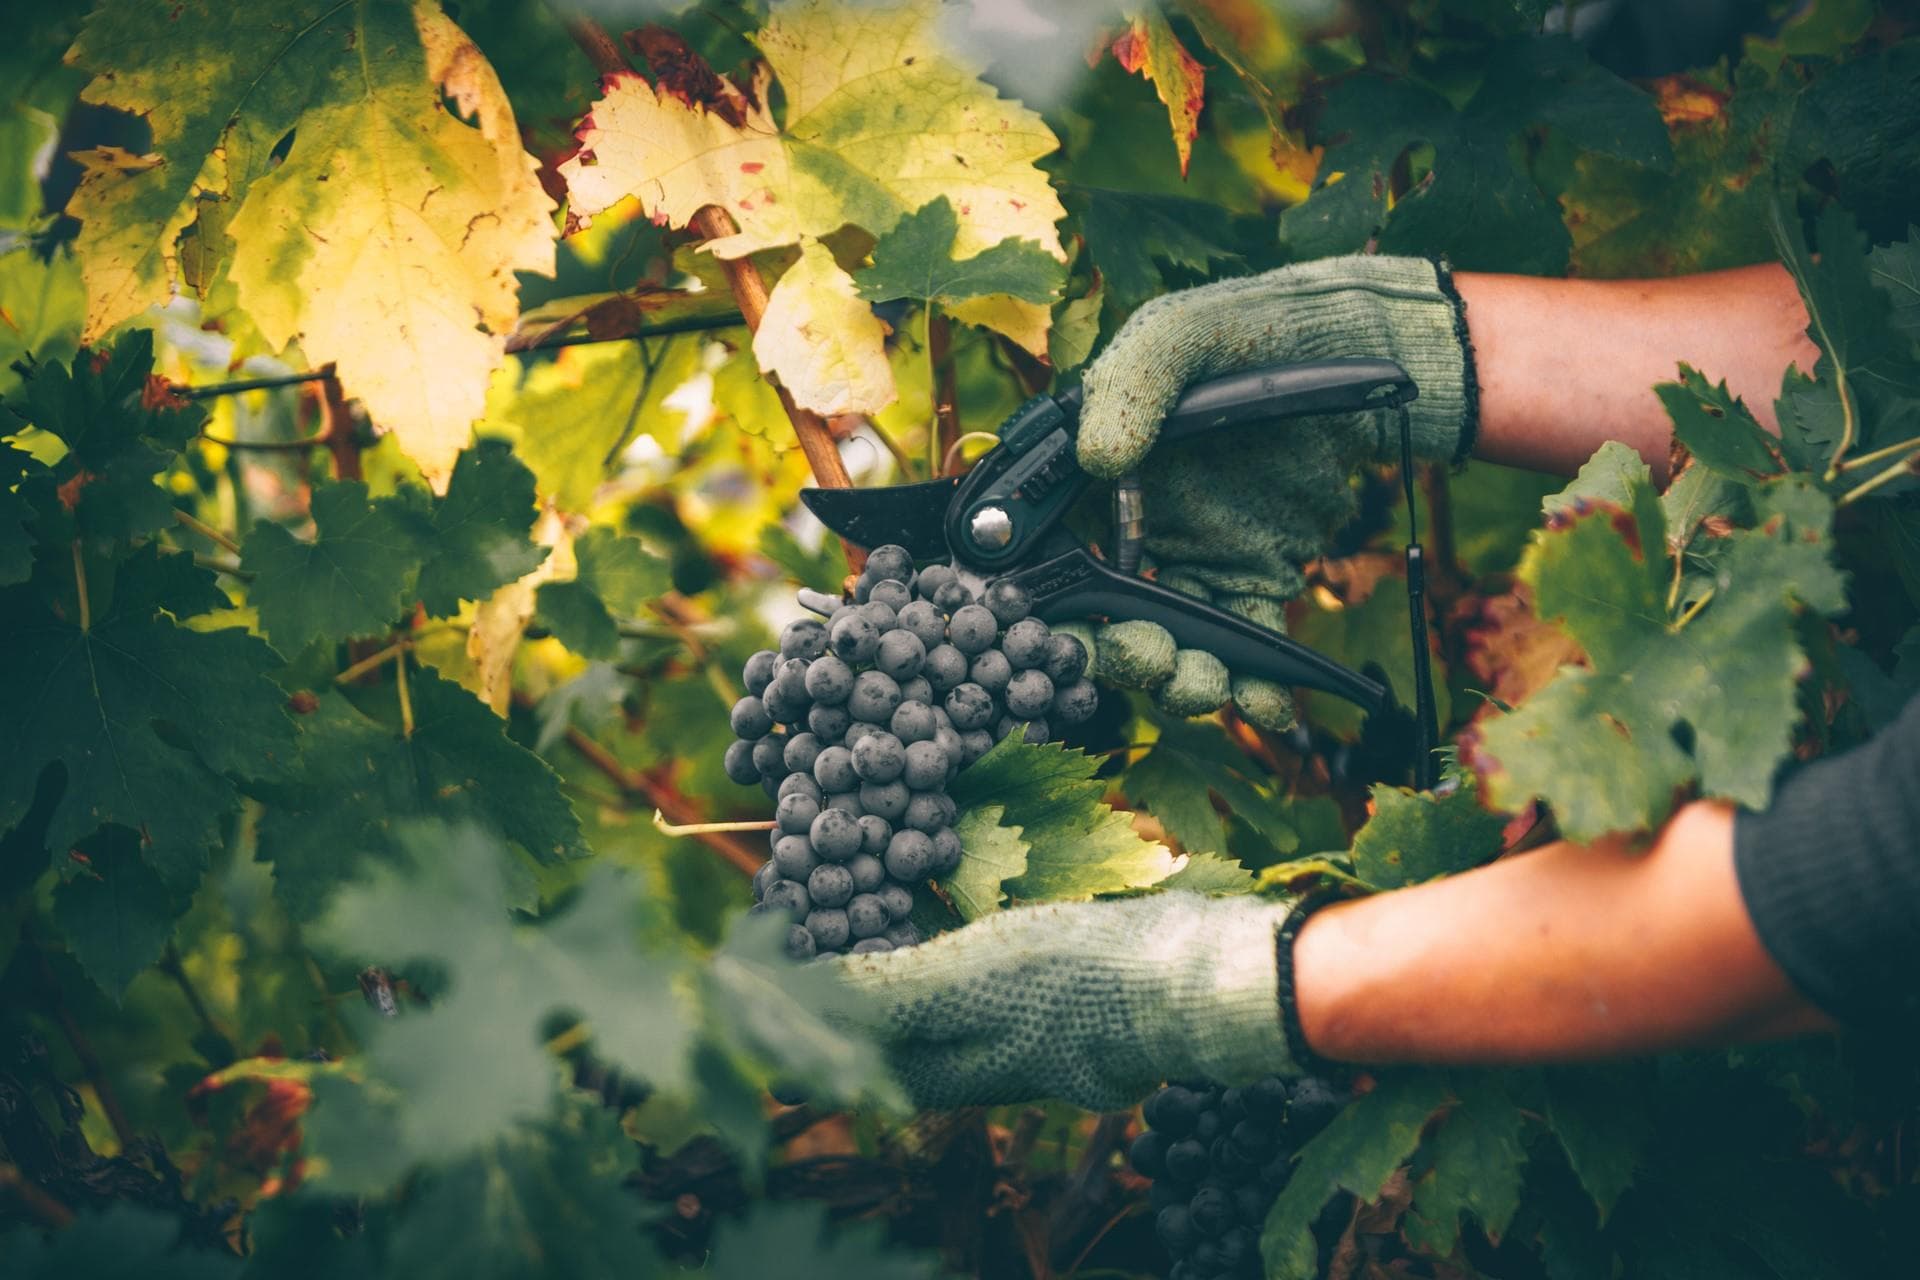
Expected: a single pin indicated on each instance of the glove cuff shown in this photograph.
(1229, 1008)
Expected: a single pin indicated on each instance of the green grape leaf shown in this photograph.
(1474, 1165)
(1415, 836)
(115, 913)
(1717, 428)
(616, 576)
(1600, 1116)
(1664, 703)
(1209, 873)
(1476, 204)
(995, 854)
(477, 534)
(357, 782)
(793, 1238)
(1076, 328)
(44, 303)
(1358, 1152)
(18, 471)
(1076, 846)
(1129, 234)
(123, 1240)
(147, 716)
(823, 570)
(1189, 760)
(1896, 272)
(915, 260)
(120, 432)
(1859, 123)
(472, 1067)
(351, 580)
(1866, 388)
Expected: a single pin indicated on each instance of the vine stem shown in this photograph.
(664, 827)
(372, 661)
(339, 435)
(1679, 571)
(934, 452)
(406, 699)
(960, 442)
(206, 531)
(946, 398)
(1905, 466)
(1693, 610)
(1868, 459)
(38, 1202)
(80, 586)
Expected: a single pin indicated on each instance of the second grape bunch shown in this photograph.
(856, 727)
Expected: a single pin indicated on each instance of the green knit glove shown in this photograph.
(1232, 517)
(1092, 1002)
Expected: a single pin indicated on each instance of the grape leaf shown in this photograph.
(473, 1066)
(1076, 327)
(44, 302)
(616, 575)
(351, 580)
(823, 569)
(146, 715)
(1128, 233)
(995, 854)
(1475, 1165)
(1076, 846)
(915, 260)
(882, 116)
(17, 469)
(824, 344)
(1357, 1153)
(1415, 836)
(1172, 785)
(1477, 204)
(121, 1240)
(1717, 428)
(1896, 272)
(1600, 1117)
(477, 534)
(1664, 702)
(1149, 48)
(120, 433)
(358, 781)
(385, 237)
(1209, 873)
(115, 913)
(781, 1238)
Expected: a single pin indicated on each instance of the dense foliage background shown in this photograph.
(391, 488)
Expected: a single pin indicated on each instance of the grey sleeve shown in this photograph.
(1831, 876)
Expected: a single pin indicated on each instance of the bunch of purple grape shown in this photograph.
(857, 726)
(1218, 1158)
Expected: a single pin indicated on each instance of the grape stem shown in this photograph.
(1693, 610)
(948, 463)
(661, 825)
(206, 531)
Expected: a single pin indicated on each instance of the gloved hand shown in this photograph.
(1232, 516)
(1094, 1002)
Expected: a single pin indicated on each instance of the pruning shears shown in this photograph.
(1002, 519)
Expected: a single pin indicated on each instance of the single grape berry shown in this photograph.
(796, 813)
(969, 707)
(804, 638)
(868, 872)
(847, 802)
(833, 770)
(944, 668)
(765, 876)
(828, 925)
(867, 946)
(1029, 695)
(1008, 601)
(952, 597)
(918, 689)
(886, 800)
(830, 885)
(1148, 1154)
(1239, 1252)
(1251, 1201)
(875, 829)
(991, 671)
(880, 615)
(787, 699)
(904, 934)
(932, 578)
(974, 743)
(738, 762)
(1313, 1105)
(900, 655)
(947, 851)
(829, 680)
(794, 857)
(801, 782)
(1066, 659)
(750, 718)
(861, 586)
(1187, 1161)
(897, 899)
(1175, 1229)
(909, 856)
(972, 629)
(835, 835)
(1025, 643)
(914, 722)
(874, 697)
(926, 766)
(923, 622)
(802, 750)
(928, 811)
(828, 724)
(1076, 702)
(1266, 1098)
(785, 895)
(1036, 730)
(1253, 1138)
(757, 674)
(856, 730)
(1212, 1211)
(800, 944)
(889, 560)
(949, 741)
(769, 756)
(855, 639)
(866, 914)
(879, 757)
(891, 592)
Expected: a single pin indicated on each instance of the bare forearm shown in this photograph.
(1565, 365)
(1562, 954)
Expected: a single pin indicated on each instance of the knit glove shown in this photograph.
(1232, 516)
(1094, 1002)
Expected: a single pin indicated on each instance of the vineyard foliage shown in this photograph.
(403, 411)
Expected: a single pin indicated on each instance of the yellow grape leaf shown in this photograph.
(1149, 48)
(822, 341)
(882, 116)
(501, 619)
(386, 237)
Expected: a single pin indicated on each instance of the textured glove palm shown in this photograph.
(1233, 516)
(1094, 1003)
